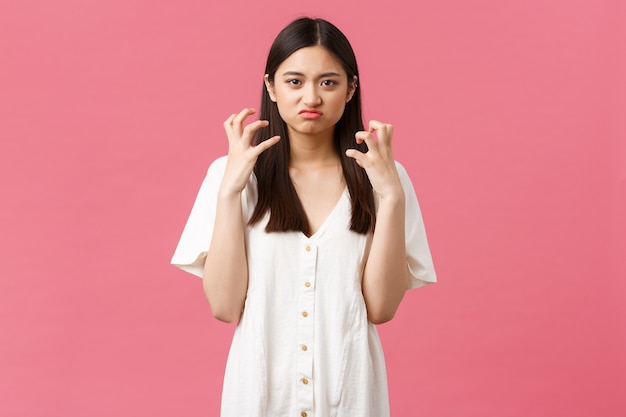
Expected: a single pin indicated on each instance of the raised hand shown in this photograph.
(378, 161)
(242, 155)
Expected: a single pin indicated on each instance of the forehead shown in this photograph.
(310, 61)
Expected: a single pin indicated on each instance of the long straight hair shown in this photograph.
(276, 191)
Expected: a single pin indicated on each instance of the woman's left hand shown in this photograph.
(378, 161)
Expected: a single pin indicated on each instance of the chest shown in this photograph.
(319, 193)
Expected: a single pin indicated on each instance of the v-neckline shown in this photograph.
(330, 215)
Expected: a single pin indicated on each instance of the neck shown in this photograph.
(308, 150)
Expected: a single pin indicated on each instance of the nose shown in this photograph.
(311, 96)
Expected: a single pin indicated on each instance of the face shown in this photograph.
(310, 89)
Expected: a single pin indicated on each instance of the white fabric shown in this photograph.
(281, 363)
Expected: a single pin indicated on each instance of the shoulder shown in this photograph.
(218, 165)
(216, 170)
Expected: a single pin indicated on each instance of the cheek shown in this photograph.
(285, 109)
(338, 98)
(282, 111)
(283, 103)
(284, 98)
(338, 103)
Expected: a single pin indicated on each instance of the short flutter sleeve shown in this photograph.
(196, 238)
(419, 260)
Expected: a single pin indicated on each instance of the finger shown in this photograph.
(375, 125)
(230, 119)
(358, 156)
(266, 144)
(249, 130)
(239, 118)
(383, 131)
(228, 124)
(366, 137)
(363, 136)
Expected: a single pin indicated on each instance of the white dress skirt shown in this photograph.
(303, 346)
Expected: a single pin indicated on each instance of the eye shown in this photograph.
(294, 81)
(329, 83)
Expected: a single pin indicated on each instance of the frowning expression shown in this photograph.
(310, 89)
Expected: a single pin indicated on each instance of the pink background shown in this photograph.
(509, 115)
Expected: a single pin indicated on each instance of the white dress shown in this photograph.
(303, 346)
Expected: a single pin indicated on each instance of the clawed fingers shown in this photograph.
(384, 131)
(378, 161)
(240, 138)
(254, 126)
(242, 154)
(358, 156)
(266, 144)
(363, 136)
(377, 138)
(234, 123)
(243, 114)
(235, 130)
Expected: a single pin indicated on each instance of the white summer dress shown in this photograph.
(303, 346)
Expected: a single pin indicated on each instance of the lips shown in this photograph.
(310, 113)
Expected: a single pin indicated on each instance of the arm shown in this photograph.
(225, 277)
(386, 276)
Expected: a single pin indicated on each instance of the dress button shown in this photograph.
(303, 414)
(307, 284)
(308, 248)
(305, 381)
(304, 348)
(305, 314)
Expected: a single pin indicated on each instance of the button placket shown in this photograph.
(305, 329)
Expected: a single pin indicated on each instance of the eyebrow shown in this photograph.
(299, 74)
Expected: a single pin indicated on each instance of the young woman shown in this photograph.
(308, 233)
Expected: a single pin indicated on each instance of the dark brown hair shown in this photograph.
(276, 191)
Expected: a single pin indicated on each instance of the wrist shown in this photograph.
(229, 194)
(393, 195)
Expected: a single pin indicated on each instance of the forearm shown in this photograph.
(385, 278)
(225, 277)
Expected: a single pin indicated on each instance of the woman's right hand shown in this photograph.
(242, 155)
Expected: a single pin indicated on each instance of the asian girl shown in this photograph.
(307, 234)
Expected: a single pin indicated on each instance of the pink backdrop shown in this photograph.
(510, 117)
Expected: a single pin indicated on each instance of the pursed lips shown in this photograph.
(310, 113)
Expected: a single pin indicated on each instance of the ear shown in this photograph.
(352, 88)
(270, 87)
